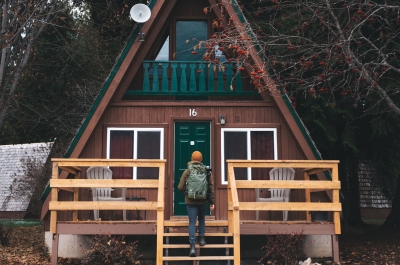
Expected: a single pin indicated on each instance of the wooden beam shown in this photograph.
(87, 162)
(72, 190)
(102, 205)
(71, 169)
(307, 195)
(287, 184)
(290, 206)
(284, 163)
(54, 249)
(310, 228)
(54, 195)
(105, 183)
(311, 171)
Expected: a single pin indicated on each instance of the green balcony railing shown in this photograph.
(190, 78)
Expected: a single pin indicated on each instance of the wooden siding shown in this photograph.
(375, 213)
(12, 215)
(164, 114)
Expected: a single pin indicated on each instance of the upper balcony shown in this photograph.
(191, 78)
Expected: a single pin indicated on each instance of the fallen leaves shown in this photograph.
(26, 247)
(365, 245)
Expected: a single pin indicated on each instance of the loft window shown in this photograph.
(163, 54)
(247, 144)
(136, 143)
(188, 35)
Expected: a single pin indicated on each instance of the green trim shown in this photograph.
(189, 93)
(105, 88)
(99, 97)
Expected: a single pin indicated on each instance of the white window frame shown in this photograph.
(135, 139)
(248, 130)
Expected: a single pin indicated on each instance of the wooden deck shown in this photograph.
(233, 228)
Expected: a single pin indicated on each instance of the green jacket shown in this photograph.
(182, 187)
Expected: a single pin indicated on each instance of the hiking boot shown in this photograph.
(202, 241)
(192, 252)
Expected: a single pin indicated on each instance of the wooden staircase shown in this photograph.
(176, 247)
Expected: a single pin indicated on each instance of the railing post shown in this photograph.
(211, 67)
(239, 83)
(155, 77)
(229, 78)
(192, 79)
(335, 199)
(174, 79)
(202, 78)
(183, 81)
(307, 196)
(76, 197)
(146, 78)
(54, 197)
(220, 81)
(160, 213)
(164, 83)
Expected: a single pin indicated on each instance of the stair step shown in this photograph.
(198, 246)
(185, 222)
(205, 234)
(199, 258)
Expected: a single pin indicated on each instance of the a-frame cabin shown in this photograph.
(160, 103)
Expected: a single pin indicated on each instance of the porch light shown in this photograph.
(222, 119)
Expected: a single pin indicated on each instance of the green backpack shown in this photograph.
(197, 184)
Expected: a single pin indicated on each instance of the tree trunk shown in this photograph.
(393, 219)
(354, 217)
(351, 189)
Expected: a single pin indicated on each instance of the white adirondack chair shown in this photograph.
(104, 194)
(277, 195)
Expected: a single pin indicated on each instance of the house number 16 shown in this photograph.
(192, 112)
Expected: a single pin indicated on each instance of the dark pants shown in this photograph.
(199, 211)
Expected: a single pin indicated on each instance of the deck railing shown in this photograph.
(309, 167)
(191, 78)
(73, 166)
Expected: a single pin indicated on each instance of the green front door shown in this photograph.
(189, 137)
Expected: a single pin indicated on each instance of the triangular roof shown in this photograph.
(14, 195)
(130, 60)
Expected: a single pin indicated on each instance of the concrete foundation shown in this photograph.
(69, 246)
(317, 246)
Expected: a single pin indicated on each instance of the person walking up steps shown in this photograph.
(198, 185)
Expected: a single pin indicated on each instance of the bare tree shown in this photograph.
(334, 51)
(330, 48)
(22, 21)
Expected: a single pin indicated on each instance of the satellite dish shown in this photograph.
(140, 13)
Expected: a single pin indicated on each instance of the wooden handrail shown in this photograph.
(190, 77)
(309, 167)
(74, 165)
(104, 183)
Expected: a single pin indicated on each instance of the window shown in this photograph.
(188, 35)
(136, 143)
(163, 54)
(247, 144)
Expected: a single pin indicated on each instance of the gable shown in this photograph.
(136, 52)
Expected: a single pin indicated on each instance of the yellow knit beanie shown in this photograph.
(197, 156)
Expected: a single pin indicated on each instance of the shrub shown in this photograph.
(108, 249)
(283, 249)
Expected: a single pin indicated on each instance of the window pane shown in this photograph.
(262, 147)
(163, 54)
(121, 146)
(148, 148)
(189, 34)
(235, 147)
